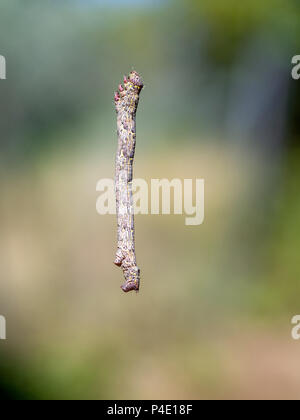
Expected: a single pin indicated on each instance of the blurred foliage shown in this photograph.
(219, 103)
(64, 59)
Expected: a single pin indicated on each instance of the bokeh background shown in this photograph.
(213, 317)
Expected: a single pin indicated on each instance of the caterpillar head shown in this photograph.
(127, 96)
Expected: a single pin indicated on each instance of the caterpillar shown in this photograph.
(126, 101)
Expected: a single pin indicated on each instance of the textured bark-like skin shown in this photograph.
(126, 102)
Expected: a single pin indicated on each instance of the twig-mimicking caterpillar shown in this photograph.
(126, 102)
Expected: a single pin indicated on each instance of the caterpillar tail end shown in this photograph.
(132, 277)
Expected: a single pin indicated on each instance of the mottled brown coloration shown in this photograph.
(126, 101)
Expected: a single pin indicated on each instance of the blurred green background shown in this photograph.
(213, 317)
